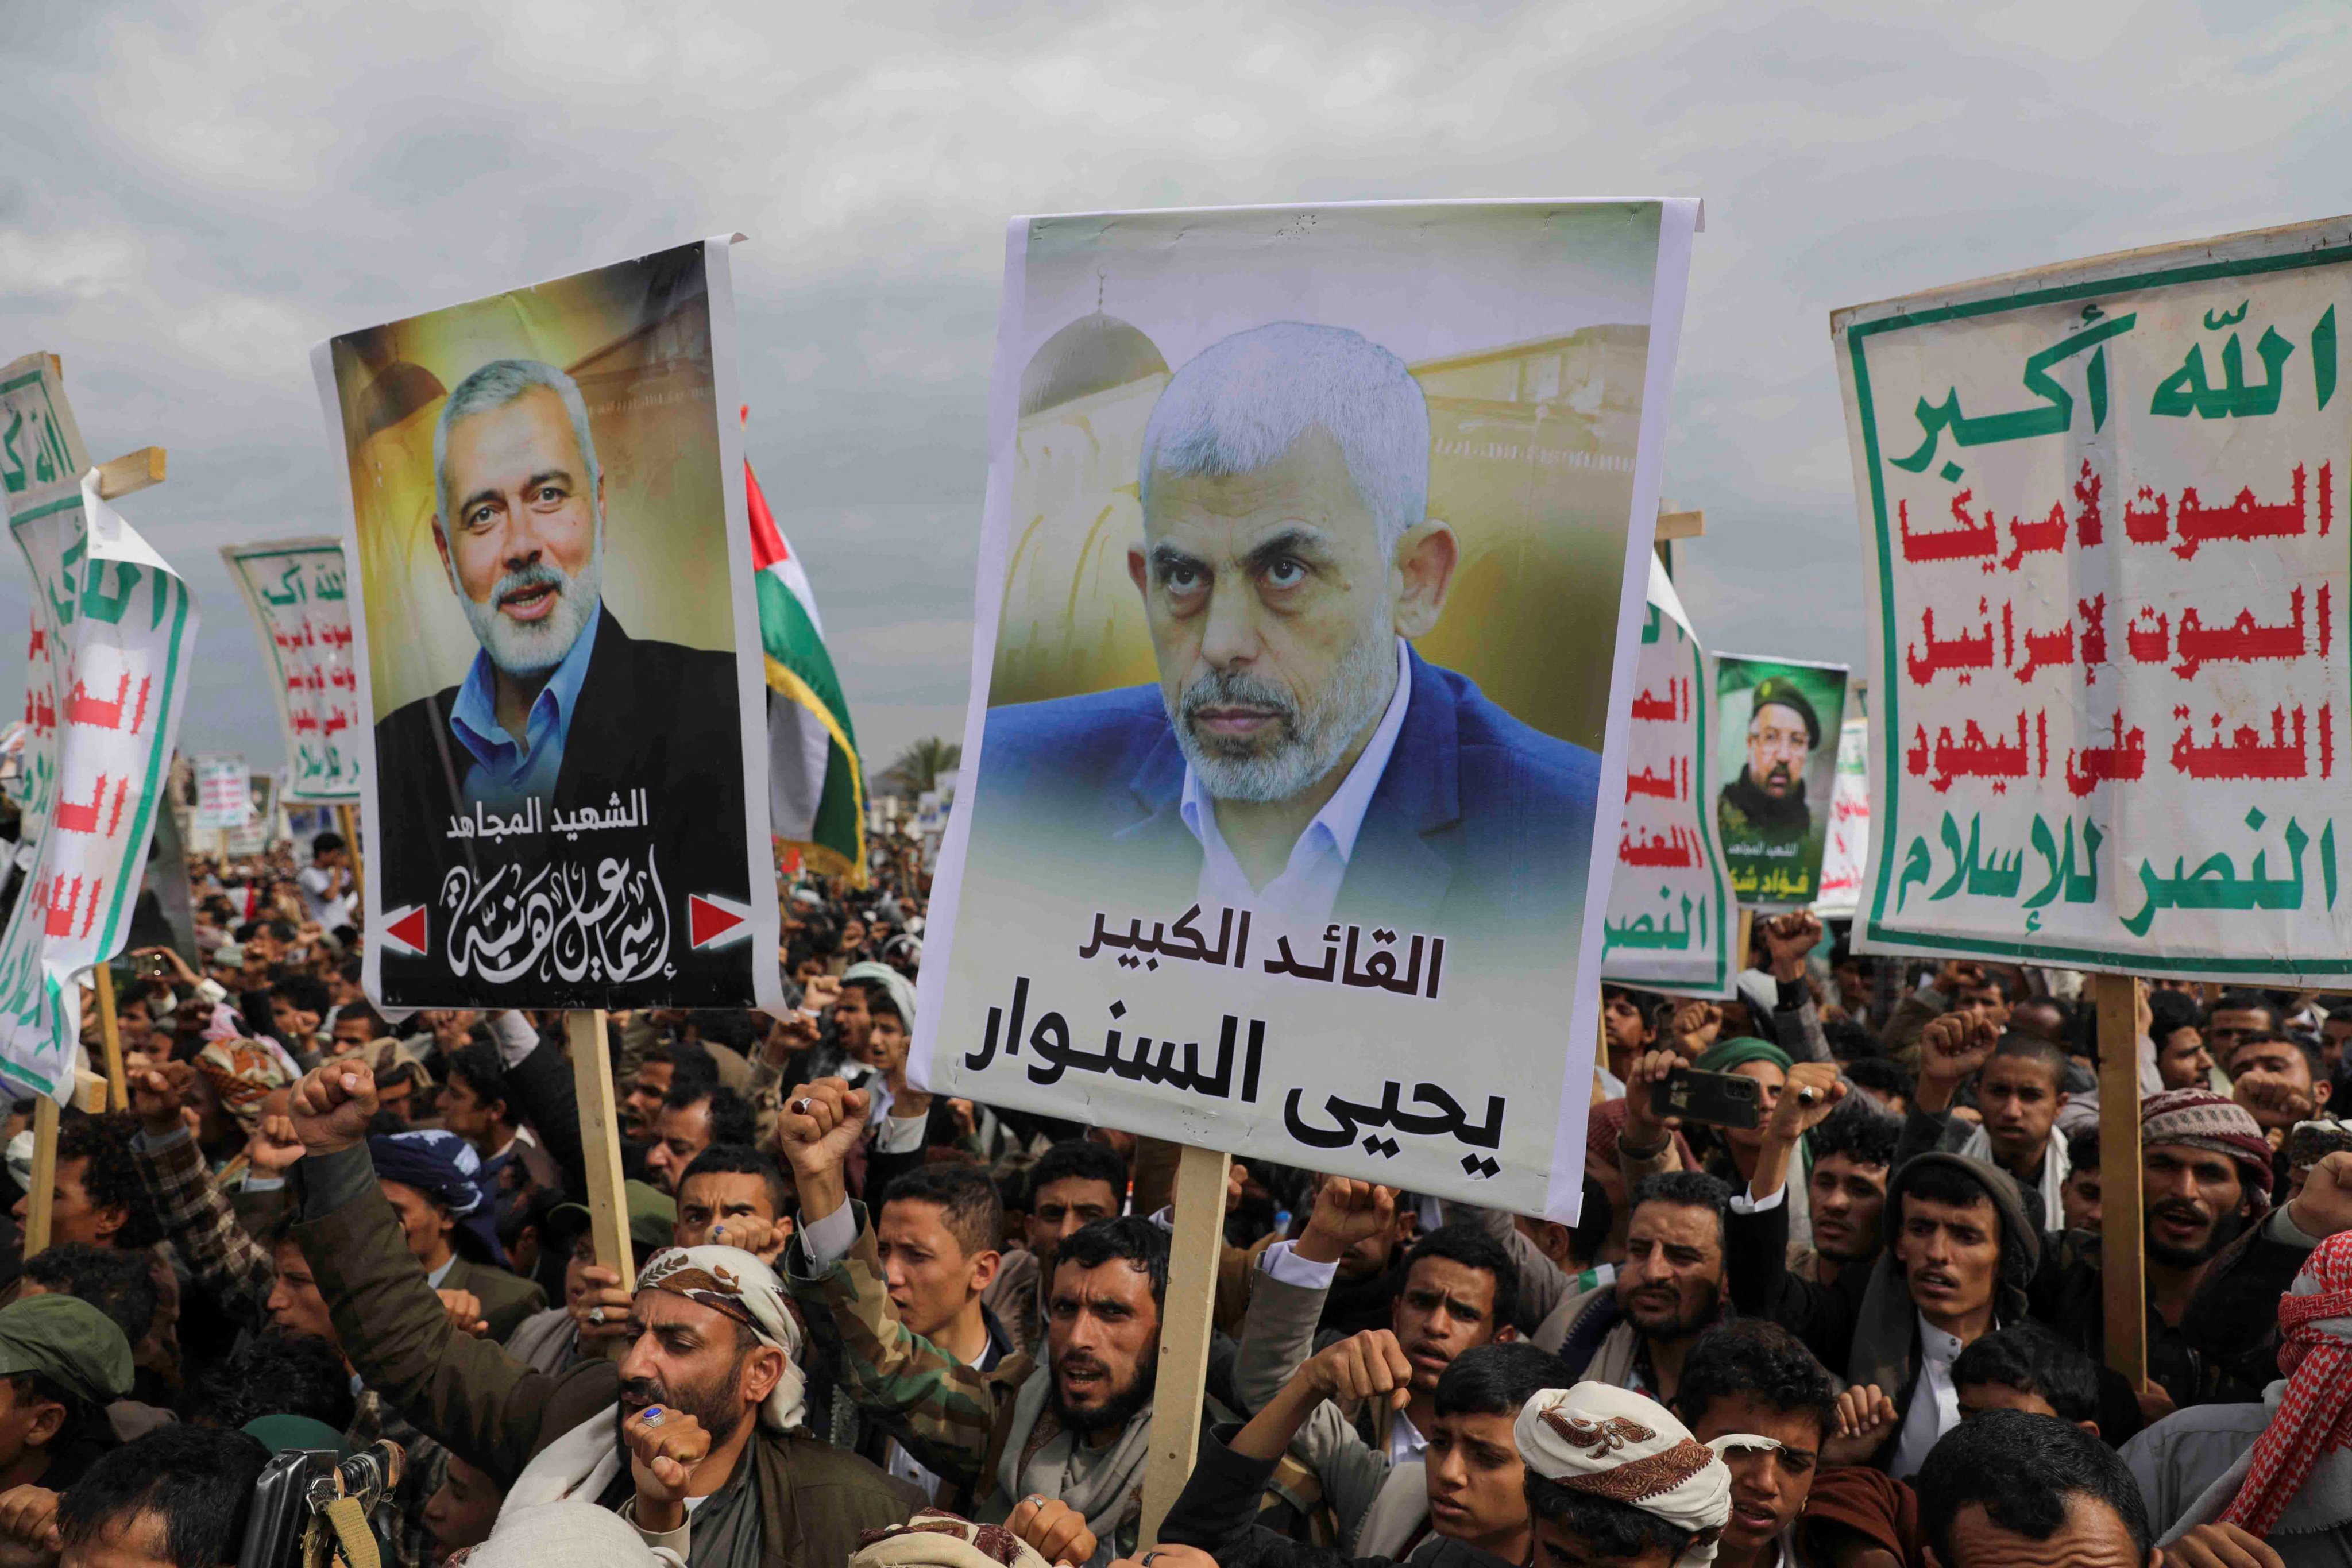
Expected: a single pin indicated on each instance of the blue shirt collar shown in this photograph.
(474, 716)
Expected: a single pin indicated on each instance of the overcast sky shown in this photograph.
(193, 193)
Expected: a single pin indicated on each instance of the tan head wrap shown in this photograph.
(1612, 1443)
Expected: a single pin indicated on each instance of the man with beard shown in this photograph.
(1461, 1290)
(1072, 1433)
(562, 710)
(2205, 1182)
(1765, 805)
(1296, 757)
(1634, 1332)
(707, 1409)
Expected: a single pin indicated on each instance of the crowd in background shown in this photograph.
(871, 1324)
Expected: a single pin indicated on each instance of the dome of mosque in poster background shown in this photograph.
(1093, 354)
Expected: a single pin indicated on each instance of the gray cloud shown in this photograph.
(195, 193)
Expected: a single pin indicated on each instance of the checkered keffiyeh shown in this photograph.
(2314, 1418)
(2200, 1119)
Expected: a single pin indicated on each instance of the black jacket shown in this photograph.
(597, 917)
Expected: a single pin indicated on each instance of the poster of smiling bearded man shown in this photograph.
(1293, 769)
(558, 646)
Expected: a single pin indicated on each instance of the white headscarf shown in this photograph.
(577, 1535)
(732, 1282)
(1610, 1442)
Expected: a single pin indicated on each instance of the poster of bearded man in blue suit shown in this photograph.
(1295, 760)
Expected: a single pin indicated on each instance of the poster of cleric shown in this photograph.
(1305, 640)
(1777, 746)
(558, 646)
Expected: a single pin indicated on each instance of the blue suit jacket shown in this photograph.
(1479, 823)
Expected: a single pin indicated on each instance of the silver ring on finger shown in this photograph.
(653, 1417)
(596, 1316)
(800, 1108)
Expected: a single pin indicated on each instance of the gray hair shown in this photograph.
(1244, 402)
(493, 386)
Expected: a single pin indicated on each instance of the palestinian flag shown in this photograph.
(816, 790)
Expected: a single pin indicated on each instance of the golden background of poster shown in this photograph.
(636, 338)
(1531, 462)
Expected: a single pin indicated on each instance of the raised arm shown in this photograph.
(480, 1402)
(1286, 1301)
(1796, 1021)
(1756, 1235)
(942, 1410)
(229, 1266)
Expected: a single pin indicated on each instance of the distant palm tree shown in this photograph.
(918, 767)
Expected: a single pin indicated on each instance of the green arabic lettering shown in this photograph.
(100, 605)
(2323, 362)
(1919, 865)
(1960, 862)
(2053, 418)
(2186, 390)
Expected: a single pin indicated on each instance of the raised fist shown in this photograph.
(1370, 1366)
(1345, 1212)
(332, 1104)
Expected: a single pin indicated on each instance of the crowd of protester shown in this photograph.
(870, 1325)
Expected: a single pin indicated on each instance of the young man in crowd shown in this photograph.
(1612, 1478)
(2280, 1080)
(1751, 1389)
(2026, 1367)
(178, 1496)
(1629, 1021)
(96, 1196)
(1074, 1428)
(1960, 1255)
(662, 1068)
(1461, 1290)
(1463, 1505)
(477, 1106)
(1854, 1151)
(1072, 1185)
(2236, 1015)
(2177, 1028)
(62, 1362)
(2021, 1089)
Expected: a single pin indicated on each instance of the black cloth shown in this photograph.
(1785, 815)
(650, 716)
(1217, 1512)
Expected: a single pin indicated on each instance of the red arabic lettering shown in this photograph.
(2242, 641)
(2125, 757)
(2245, 756)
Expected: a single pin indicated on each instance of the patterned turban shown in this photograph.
(243, 1073)
(731, 1282)
(2315, 1416)
(2199, 1119)
(1610, 1442)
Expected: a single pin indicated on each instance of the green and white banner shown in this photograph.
(1672, 912)
(113, 628)
(2101, 520)
(295, 590)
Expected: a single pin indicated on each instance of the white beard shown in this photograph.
(534, 647)
(1309, 743)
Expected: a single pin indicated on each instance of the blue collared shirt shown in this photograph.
(505, 773)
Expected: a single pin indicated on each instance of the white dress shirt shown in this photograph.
(1935, 1402)
(1299, 898)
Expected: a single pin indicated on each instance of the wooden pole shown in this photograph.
(117, 1089)
(600, 1142)
(45, 1174)
(2119, 1188)
(347, 820)
(1184, 1325)
(1745, 939)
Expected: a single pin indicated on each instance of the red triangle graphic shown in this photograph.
(705, 922)
(409, 929)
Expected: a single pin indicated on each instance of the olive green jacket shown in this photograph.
(495, 1413)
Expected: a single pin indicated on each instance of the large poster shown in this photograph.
(562, 752)
(1305, 642)
(113, 627)
(2101, 515)
(1776, 746)
(295, 589)
(1671, 911)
